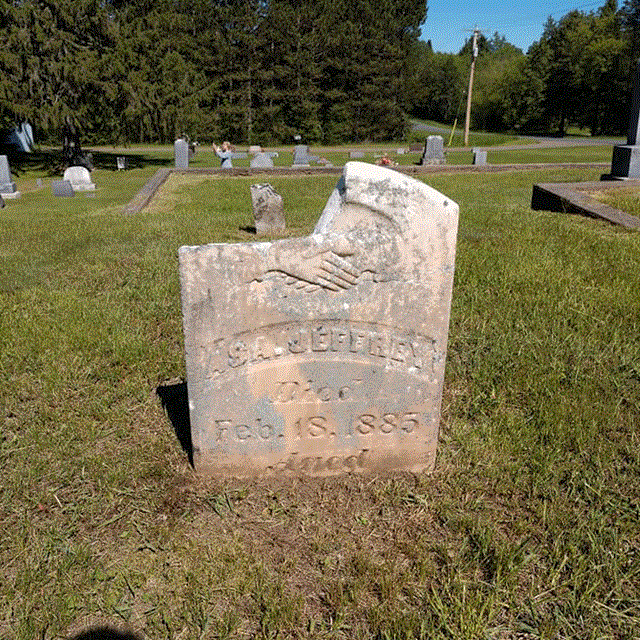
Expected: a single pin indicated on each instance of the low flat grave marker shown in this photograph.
(324, 355)
(261, 161)
(62, 189)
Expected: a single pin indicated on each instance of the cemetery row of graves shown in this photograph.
(527, 524)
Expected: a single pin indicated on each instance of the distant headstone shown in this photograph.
(301, 155)
(122, 163)
(625, 162)
(400, 152)
(181, 153)
(268, 211)
(38, 182)
(324, 355)
(416, 147)
(80, 179)
(240, 155)
(62, 189)
(261, 161)
(8, 187)
(356, 154)
(255, 148)
(433, 151)
(479, 157)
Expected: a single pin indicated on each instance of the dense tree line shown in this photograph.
(246, 70)
(260, 71)
(580, 73)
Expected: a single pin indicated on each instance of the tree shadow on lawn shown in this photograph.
(52, 162)
(175, 401)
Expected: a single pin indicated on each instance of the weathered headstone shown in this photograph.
(8, 187)
(433, 151)
(122, 163)
(181, 153)
(80, 179)
(255, 148)
(479, 157)
(62, 189)
(324, 355)
(625, 163)
(268, 209)
(400, 152)
(356, 154)
(261, 161)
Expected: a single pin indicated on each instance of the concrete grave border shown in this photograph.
(145, 195)
(576, 197)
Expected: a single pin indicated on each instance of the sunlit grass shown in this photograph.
(527, 528)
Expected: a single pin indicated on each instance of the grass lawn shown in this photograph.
(528, 528)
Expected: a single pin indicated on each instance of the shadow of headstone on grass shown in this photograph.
(105, 633)
(175, 401)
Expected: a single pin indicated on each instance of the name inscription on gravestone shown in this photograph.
(325, 354)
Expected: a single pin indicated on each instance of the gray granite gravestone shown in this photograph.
(8, 187)
(479, 157)
(268, 211)
(356, 154)
(62, 189)
(433, 151)
(255, 148)
(301, 155)
(625, 162)
(181, 153)
(261, 161)
(325, 354)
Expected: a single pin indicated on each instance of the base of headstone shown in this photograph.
(8, 188)
(626, 161)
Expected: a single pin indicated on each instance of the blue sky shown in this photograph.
(450, 22)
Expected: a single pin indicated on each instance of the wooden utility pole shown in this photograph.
(474, 55)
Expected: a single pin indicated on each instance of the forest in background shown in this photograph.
(261, 71)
